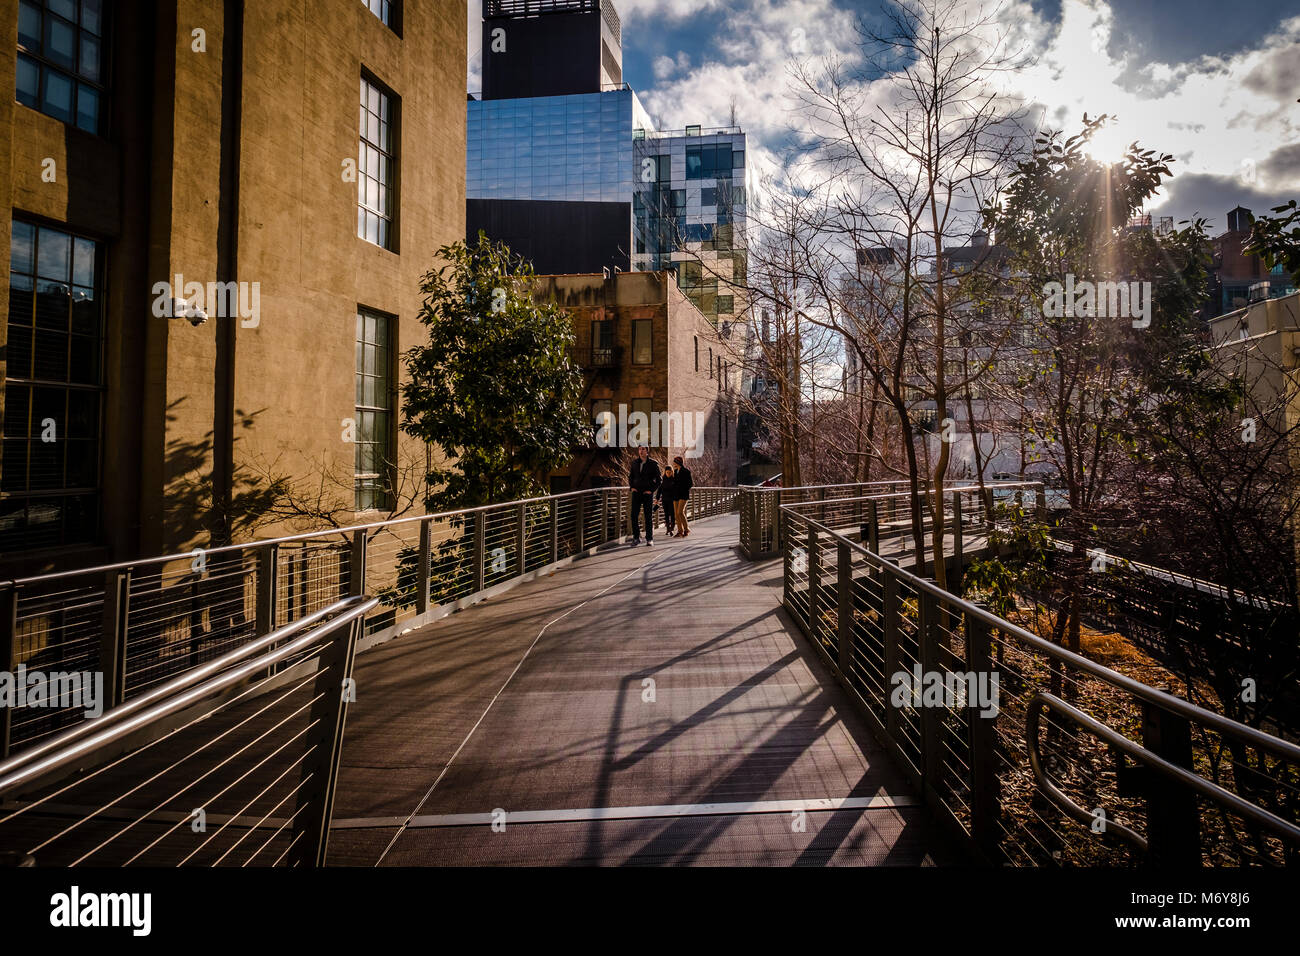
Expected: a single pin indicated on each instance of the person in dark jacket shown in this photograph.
(666, 496)
(644, 479)
(682, 484)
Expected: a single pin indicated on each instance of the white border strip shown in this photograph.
(820, 805)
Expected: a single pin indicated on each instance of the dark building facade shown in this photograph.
(550, 47)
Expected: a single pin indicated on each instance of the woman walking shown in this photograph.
(682, 483)
(666, 496)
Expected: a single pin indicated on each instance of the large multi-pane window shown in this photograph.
(708, 161)
(60, 69)
(376, 166)
(374, 416)
(49, 464)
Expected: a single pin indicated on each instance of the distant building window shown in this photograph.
(710, 363)
(708, 162)
(642, 405)
(697, 353)
(374, 415)
(375, 166)
(602, 342)
(642, 349)
(54, 384)
(726, 304)
(60, 65)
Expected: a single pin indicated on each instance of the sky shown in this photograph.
(1197, 79)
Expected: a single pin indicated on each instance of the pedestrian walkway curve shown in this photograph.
(644, 706)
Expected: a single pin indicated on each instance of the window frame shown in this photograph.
(388, 447)
(394, 21)
(32, 381)
(44, 64)
(647, 325)
(391, 154)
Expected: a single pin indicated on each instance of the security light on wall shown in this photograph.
(192, 314)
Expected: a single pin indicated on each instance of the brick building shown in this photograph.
(286, 169)
(644, 347)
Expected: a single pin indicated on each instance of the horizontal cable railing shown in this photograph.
(232, 763)
(1032, 754)
(883, 505)
(142, 623)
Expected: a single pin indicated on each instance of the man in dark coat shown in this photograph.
(643, 478)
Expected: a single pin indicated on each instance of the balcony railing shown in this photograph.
(610, 356)
(533, 8)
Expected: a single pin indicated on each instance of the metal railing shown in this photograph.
(883, 505)
(141, 623)
(233, 763)
(1029, 753)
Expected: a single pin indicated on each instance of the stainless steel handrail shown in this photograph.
(1166, 701)
(170, 687)
(74, 745)
(1211, 791)
(319, 532)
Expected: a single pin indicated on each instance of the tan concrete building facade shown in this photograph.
(312, 156)
(644, 346)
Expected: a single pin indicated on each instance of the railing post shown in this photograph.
(988, 508)
(480, 549)
(986, 792)
(1040, 502)
(319, 774)
(423, 568)
(580, 521)
(873, 517)
(267, 567)
(778, 528)
(554, 521)
(1173, 823)
(956, 542)
(889, 614)
(8, 648)
(357, 564)
(112, 643)
(844, 618)
(521, 544)
(814, 573)
(931, 716)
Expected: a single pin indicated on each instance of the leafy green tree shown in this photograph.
(494, 386)
(1276, 239)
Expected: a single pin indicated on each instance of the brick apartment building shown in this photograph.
(643, 345)
(1237, 279)
(313, 153)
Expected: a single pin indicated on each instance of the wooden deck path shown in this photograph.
(643, 706)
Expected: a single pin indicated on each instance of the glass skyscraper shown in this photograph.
(580, 180)
(575, 148)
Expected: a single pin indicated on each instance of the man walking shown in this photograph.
(643, 478)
